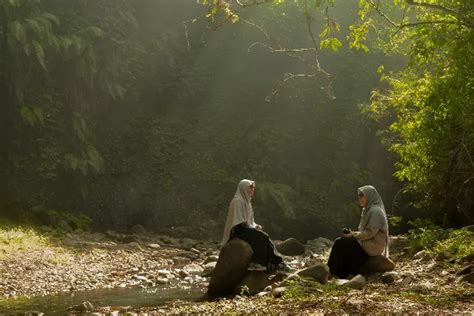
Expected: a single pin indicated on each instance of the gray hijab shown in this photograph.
(373, 215)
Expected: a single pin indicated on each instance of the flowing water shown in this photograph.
(57, 304)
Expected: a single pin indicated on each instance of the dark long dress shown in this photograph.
(264, 251)
(347, 257)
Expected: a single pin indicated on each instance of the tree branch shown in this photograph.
(255, 2)
(376, 7)
(433, 6)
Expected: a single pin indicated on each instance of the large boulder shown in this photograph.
(253, 283)
(377, 264)
(230, 268)
(290, 247)
(138, 230)
(318, 272)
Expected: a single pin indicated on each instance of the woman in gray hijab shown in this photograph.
(241, 224)
(352, 249)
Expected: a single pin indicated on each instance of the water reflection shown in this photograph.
(56, 305)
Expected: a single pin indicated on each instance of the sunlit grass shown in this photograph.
(20, 241)
(438, 301)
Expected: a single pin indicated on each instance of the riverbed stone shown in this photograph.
(83, 307)
(211, 258)
(193, 269)
(138, 230)
(290, 247)
(318, 272)
(252, 283)
(154, 246)
(377, 264)
(468, 278)
(230, 268)
(358, 282)
(389, 277)
(278, 291)
(208, 268)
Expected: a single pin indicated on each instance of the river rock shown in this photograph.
(422, 288)
(290, 247)
(318, 272)
(389, 277)
(422, 255)
(358, 282)
(407, 279)
(377, 264)
(211, 258)
(468, 278)
(187, 243)
(278, 291)
(64, 226)
(154, 246)
(465, 270)
(138, 230)
(230, 268)
(126, 238)
(193, 269)
(180, 262)
(314, 261)
(208, 268)
(252, 283)
(83, 307)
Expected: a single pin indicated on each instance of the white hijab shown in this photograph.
(240, 210)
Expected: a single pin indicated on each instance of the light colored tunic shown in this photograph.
(373, 226)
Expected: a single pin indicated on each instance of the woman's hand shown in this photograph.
(259, 227)
(346, 233)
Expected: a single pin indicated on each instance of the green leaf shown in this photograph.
(331, 43)
(39, 53)
(28, 115)
(39, 114)
(95, 159)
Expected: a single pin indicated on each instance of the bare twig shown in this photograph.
(261, 28)
(280, 50)
(376, 7)
(186, 34)
(255, 2)
(313, 39)
(288, 77)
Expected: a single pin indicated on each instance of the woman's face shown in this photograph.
(251, 190)
(362, 200)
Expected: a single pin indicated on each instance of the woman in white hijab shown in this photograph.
(241, 224)
(352, 249)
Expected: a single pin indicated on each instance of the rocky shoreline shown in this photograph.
(79, 261)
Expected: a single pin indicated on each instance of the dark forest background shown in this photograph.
(116, 113)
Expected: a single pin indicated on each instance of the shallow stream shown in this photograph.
(57, 304)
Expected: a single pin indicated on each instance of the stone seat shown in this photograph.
(377, 264)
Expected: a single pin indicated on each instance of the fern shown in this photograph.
(34, 26)
(28, 115)
(39, 52)
(18, 31)
(95, 159)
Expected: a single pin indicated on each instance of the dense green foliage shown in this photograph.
(427, 106)
(430, 105)
(454, 243)
(145, 112)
